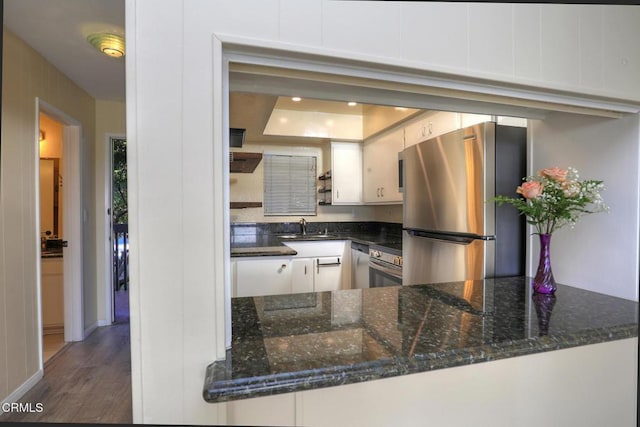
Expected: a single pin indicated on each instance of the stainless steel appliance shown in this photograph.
(385, 265)
(452, 230)
(359, 265)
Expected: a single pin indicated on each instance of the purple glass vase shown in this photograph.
(544, 283)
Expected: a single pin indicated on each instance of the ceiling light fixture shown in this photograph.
(107, 43)
(296, 99)
(352, 103)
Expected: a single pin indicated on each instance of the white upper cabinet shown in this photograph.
(429, 126)
(380, 168)
(346, 171)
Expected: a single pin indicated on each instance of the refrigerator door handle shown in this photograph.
(460, 238)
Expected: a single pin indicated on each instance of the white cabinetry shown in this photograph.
(301, 275)
(325, 260)
(346, 169)
(429, 126)
(380, 164)
(327, 273)
(318, 266)
(52, 295)
(264, 276)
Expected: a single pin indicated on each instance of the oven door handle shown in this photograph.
(397, 273)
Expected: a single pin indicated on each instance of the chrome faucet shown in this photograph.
(303, 225)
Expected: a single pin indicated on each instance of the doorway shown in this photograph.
(119, 230)
(60, 229)
(51, 235)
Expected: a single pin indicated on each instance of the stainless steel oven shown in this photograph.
(385, 266)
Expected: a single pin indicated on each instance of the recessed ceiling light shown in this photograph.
(352, 103)
(401, 108)
(107, 43)
(296, 99)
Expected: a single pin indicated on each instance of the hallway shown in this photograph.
(87, 382)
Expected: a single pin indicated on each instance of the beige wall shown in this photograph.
(26, 76)
(110, 121)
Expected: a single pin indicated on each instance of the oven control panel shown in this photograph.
(386, 257)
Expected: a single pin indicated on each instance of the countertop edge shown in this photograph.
(217, 388)
(262, 251)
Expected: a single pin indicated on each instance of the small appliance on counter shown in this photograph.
(453, 230)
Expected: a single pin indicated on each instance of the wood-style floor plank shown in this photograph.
(88, 382)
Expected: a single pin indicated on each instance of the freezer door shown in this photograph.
(448, 180)
(430, 260)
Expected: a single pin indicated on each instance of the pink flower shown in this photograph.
(530, 190)
(555, 173)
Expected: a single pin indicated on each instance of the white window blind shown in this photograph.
(289, 185)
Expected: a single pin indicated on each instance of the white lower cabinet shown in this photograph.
(301, 275)
(266, 276)
(52, 295)
(317, 267)
(327, 273)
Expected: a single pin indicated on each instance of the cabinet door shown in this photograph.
(327, 274)
(301, 275)
(52, 293)
(430, 126)
(346, 170)
(263, 277)
(370, 183)
(380, 160)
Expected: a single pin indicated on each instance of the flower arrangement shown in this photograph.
(556, 197)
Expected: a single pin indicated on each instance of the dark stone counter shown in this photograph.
(299, 342)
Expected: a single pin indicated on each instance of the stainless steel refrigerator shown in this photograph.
(452, 230)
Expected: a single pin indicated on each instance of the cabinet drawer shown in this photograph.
(318, 248)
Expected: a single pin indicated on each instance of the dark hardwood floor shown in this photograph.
(87, 382)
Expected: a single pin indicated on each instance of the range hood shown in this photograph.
(241, 162)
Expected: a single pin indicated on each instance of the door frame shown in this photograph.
(73, 219)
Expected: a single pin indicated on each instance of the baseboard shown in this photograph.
(88, 331)
(22, 390)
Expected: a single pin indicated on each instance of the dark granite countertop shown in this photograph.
(299, 342)
(245, 245)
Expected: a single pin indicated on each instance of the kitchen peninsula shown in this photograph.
(307, 343)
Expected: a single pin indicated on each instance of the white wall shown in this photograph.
(175, 188)
(27, 76)
(600, 253)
